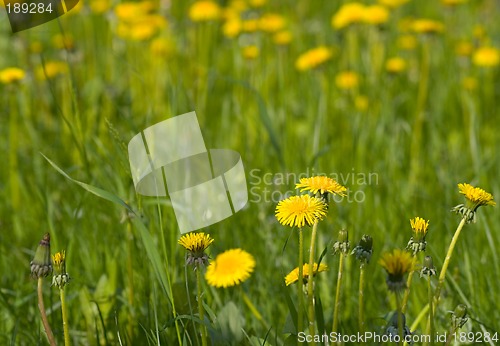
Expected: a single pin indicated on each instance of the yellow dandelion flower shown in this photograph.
(375, 15)
(419, 225)
(395, 65)
(52, 69)
(250, 25)
(293, 276)
(282, 38)
(347, 80)
(130, 11)
(11, 74)
(476, 195)
(407, 42)
(417, 242)
(321, 184)
(196, 244)
(427, 26)
(313, 58)
(232, 27)
(300, 211)
(59, 260)
(204, 11)
(392, 3)
(486, 57)
(250, 52)
(230, 268)
(350, 13)
(271, 22)
(396, 264)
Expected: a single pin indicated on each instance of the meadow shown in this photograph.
(395, 100)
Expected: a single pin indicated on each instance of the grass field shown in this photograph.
(397, 109)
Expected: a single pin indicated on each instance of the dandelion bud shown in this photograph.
(342, 244)
(41, 266)
(459, 316)
(363, 251)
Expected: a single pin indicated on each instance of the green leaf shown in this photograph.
(231, 322)
(92, 189)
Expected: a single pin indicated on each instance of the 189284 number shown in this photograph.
(28, 7)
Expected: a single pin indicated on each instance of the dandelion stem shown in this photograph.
(442, 275)
(64, 311)
(300, 284)
(400, 318)
(337, 293)
(200, 309)
(361, 313)
(408, 285)
(431, 312)
(45, 321)
(310, 283)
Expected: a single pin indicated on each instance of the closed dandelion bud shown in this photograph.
(459, 316)
(428, 267)
(342, 244)
(41, 265)
(363, 251)
(392, 327)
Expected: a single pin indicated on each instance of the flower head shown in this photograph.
(347, 80)
(427, 26)
(300, 211)
(363, 251)
(419, 228)
(11, 74)
(396, 264)
(204, 11)
(282, 38)
(475, 197)
(196, 244)
(375, 15)
(230, 268)
(313, 58)
(428, 267)
(41, 265)
(395, 65)
(61, 278)
(486, 57)
(459, 316)
(293, 276)
(250, 52)
(321, 185)
(349, 13)
(342, 244)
